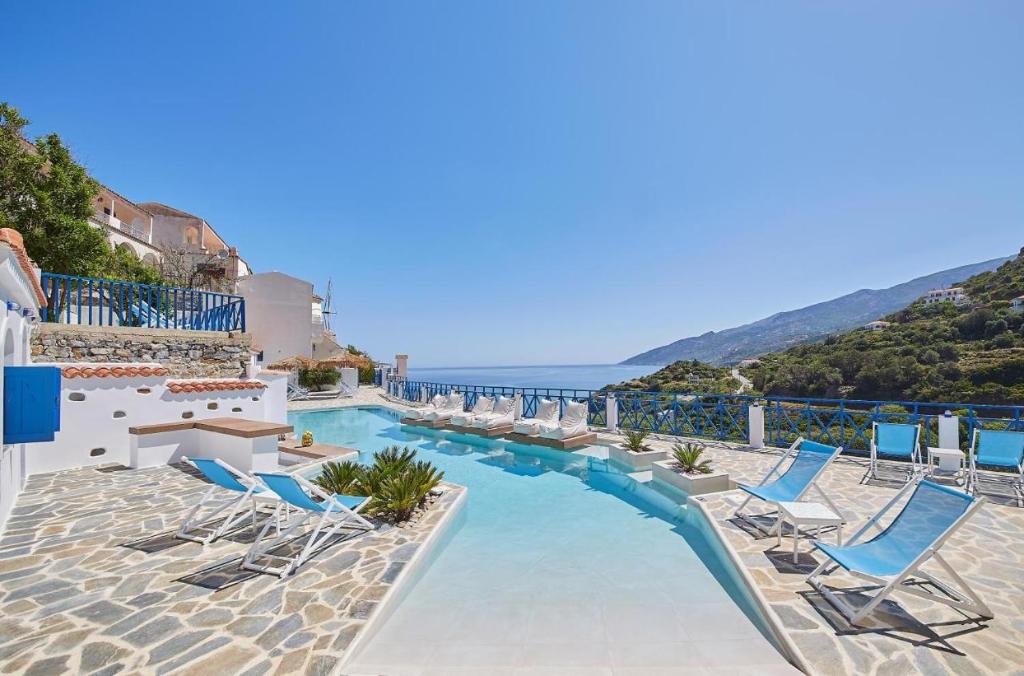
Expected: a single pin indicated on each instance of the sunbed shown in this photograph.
(484, 405)
(207, 521)
(545, 420)
(893, 558)
(896, 441)
(503, 415)
(997, 448)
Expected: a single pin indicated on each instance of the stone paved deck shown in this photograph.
(911, 636)
(91, 582)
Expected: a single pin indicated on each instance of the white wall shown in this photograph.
(97, 412)
(14, 339)
(277, 314)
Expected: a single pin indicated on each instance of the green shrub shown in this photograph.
(317, 376)
(396, 483)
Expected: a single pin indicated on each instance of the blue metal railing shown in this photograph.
(725, 417)
(110, 302)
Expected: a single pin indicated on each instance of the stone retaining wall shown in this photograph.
(184, 353)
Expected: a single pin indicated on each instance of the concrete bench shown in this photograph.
(248, 445)
(317, 451)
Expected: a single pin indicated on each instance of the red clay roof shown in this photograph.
(13, 239)
(182, 386)
(112, 371)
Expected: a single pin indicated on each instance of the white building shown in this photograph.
(877, 325)
(1017, 304)
(22, 297)
(954, 294)
(277, 314)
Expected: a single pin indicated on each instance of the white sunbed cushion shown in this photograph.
(547, 410)
(529, 426)
(483, 404)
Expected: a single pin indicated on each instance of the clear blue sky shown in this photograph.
(550, 182)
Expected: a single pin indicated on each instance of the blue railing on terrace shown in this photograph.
(725, 417)
(109, 302)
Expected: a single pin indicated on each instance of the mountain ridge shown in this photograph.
(808, 324)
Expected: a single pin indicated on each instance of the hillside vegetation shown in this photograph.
(805, 325)
(691, 377)
(939, 352)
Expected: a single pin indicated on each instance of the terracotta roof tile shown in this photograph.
(113, 371)
(13, 239)
(185, 386)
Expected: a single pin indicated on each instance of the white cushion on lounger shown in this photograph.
(483, 405)
(503, 414)
(572, 424)
(547, 410)
(546, 420)
(438, 401)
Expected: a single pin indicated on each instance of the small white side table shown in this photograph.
(945, 461)
(808, 514)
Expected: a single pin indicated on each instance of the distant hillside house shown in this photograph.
(955, 295)
(877, 325)
(128, 225)
(747, 363)
(178, 230)
(1017, 304)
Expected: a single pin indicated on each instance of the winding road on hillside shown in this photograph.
(745, 383)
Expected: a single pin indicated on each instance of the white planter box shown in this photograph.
(637, 461)
(667, 472)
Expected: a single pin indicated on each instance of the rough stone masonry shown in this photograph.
(189, 354)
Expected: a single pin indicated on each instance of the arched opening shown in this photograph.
(124, 246)
(151, 260)
(191, 235)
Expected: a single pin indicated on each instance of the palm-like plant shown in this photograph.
(395, 482)
(688, 457)
(342, 478)
(399, 494)
(635, 441)
(394, 459)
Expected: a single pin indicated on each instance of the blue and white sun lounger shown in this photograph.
(810, 459)
(890, 559)
(896, 441)
(997, 448)
(331, 511)
(241, 489)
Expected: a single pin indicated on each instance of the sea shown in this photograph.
(577, 377)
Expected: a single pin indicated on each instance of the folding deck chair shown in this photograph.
(810, 459)
(896, 441)
(243, 489)
(332, 513)
(892, 558)
(997, 448)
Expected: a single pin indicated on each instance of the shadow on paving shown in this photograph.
(227, 573)
(891, 620)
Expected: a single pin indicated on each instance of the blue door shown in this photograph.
(31, 403)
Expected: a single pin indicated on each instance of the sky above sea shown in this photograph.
(549, 182)
(583, 377)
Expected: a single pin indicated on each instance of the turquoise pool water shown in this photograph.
(559, 562)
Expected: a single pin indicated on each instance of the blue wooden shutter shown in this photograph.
(31, 403)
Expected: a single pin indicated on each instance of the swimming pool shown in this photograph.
(560, 562)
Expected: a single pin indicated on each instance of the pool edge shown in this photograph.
(415, 566)
(792, 653)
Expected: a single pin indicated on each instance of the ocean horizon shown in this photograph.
(565, 376)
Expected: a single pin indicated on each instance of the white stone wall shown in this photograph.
(15, 330)
(97, 412)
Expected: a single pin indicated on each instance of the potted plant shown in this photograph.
(688, 471)
(634, 452)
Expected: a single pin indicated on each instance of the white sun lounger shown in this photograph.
(545, 420)
(894, 557)
(503, 415)
(240, 502)
(436, 403)
(332, 513)
(455, 403)
(572, 424)
(483, 406)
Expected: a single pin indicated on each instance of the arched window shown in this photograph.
(191, 235)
